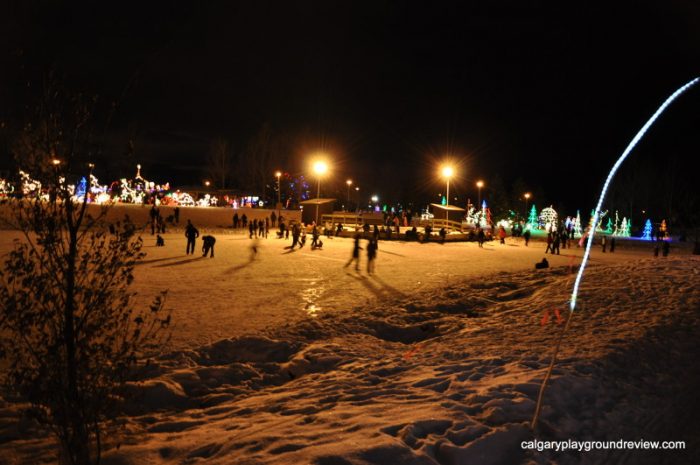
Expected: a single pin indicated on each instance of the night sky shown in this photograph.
(547, 93)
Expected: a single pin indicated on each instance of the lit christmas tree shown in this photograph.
(548, 217)
(646, 234)
(609, 226)
(628, 228)
(623, 230)
(616, 226)
(532, 219)
(577, 224)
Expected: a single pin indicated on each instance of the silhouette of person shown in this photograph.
(191, 233)
(208, 245)
(355, 253)
(371, 255)
(176, 214)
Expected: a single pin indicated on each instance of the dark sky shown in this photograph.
(537, 90)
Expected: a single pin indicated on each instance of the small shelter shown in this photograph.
(308, 212)
(448, 212)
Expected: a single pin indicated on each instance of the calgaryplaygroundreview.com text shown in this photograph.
(587, 446)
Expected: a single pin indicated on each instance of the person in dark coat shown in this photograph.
(355, 253)
(666, 248)
(604, 242)
(235, 220)
(251, 230)
(612, 244)
(273, 218)
(555, 243)
(176, 215)
(208, 245)
(154, 219)
(526, 236)
(481, 237)
(371, 255)
(443, 235)
(428, 232)
(191, 234)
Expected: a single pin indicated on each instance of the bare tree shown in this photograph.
(70, 333)
(220, 163)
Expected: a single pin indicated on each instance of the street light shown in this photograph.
(320, 168)
(479, 185)
(278, 174)
(527, 197)
(207, 183)
(357, 197)
(447, 173)
(349, 183)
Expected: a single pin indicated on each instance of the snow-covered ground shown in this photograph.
(435, 359)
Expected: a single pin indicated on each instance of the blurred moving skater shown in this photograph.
(355, 253)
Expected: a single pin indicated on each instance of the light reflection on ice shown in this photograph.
(309, 296)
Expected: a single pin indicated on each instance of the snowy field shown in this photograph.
(435, 359)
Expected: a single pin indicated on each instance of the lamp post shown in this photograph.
(527, 197)
(479, 185)
(349, 183)
(357, 198)
(320, 169)
(447, 173)
(278, 174)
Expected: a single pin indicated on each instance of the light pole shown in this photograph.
(278, 174)
(527, 197)
(447, 173)
(349, 183)
(320, 169)
(479, 185)
(357, 198)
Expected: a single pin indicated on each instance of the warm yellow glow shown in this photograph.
(91, 165)
(320, 167)
(207, 183)
(375, 198)
(349, 182)
(278, 174)
(56, 162)
(527, 195)
(480, 184)
(447, 171)
(357, 188)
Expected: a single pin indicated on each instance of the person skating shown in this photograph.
(526, 236)
(251, 229)
(371, 255)
(176, 214)
(191, 233)
(314, 237)
(355, 253)
(235, 220)
(550, 240)
(612, 244)
(555, 243)
(273, 218)
(443, 235)
(208, 245)
(154, 219)
(481, 237)
(604, 242)
(502, 234)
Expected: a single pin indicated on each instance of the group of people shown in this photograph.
(208, 241)
(372, 247)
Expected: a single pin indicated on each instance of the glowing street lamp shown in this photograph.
(349, 183)
(55, 162)
(447, 173)
(527, 198)
(479, 185)
(320, 168)
(207, 183)
(278, 174)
